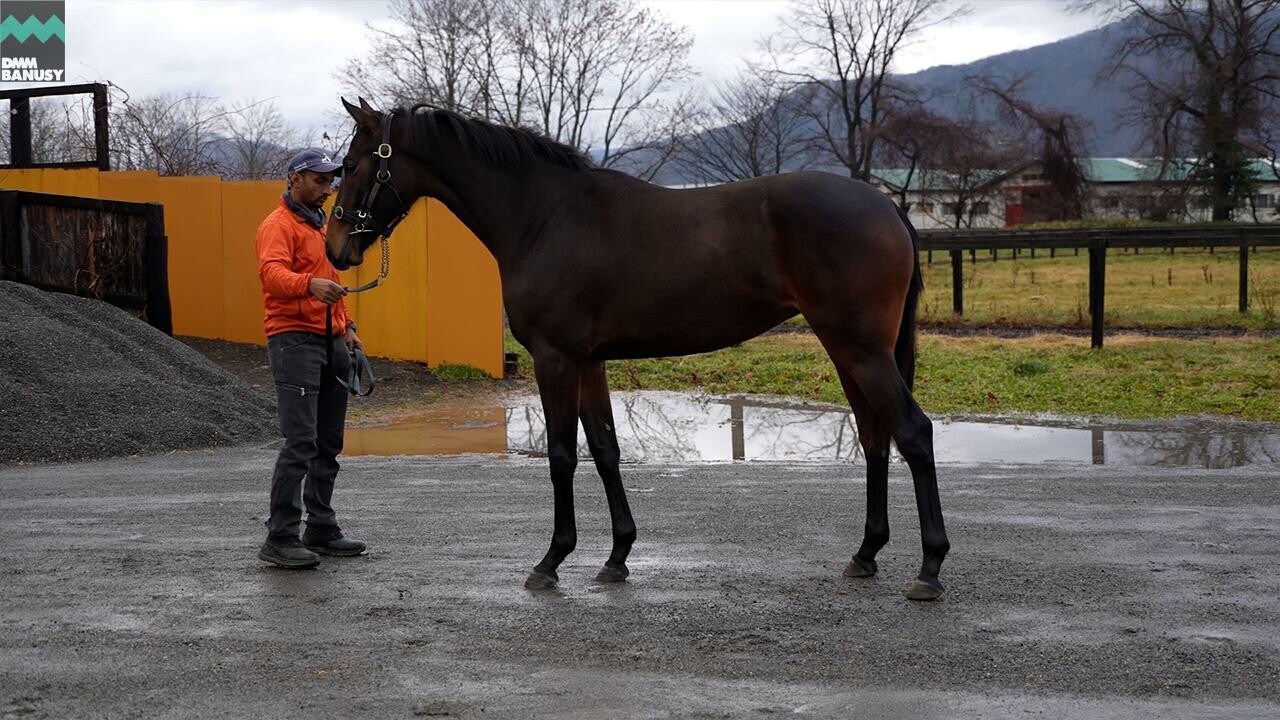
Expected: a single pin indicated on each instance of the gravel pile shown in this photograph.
(83, 379)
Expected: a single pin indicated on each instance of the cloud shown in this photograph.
(286, 51)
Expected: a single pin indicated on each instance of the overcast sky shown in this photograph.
(289, 51)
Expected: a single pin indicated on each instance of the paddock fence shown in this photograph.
(1244, 239)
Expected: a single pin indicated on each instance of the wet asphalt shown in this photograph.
(130, 588)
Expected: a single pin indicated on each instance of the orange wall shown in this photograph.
(441, 302)
(244, 205)
(465, 312)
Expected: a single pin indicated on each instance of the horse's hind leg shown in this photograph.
(891, 405)
(889, 397)
(558, 385)
(874, 437)
(597, 421)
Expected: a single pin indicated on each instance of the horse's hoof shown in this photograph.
(612, 574)
(921, 590)
(539, 581)
(859, 568)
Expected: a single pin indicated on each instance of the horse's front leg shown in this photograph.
(558, 378)
(597, 422)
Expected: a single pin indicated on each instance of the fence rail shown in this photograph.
(1243, 238)
(103, 249)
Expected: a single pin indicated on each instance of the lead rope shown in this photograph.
(360, 365)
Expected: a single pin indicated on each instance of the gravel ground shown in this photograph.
(87, 380)
(129, 588)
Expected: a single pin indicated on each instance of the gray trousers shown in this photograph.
(313, 410)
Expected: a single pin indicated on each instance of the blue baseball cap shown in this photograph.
(313, 160)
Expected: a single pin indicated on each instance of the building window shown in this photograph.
(1264, 201)
(982, 207)
(925, 207)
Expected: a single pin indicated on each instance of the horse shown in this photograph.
(597, 265)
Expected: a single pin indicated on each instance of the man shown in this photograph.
(298, 285)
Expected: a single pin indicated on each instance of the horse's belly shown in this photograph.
(687, 334)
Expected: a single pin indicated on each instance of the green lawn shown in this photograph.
(1133, 377)
(1156, 289)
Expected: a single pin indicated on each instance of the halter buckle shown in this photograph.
(337, 212)
(384, 151)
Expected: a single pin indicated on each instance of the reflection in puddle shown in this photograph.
(671, 427)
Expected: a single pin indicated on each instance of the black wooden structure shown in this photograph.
(20, 125)
(103, 249)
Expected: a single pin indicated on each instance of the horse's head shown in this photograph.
(370, 200)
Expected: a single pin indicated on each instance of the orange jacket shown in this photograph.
(291, 252)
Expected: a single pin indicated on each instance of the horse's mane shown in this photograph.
(498, 144)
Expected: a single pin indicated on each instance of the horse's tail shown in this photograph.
(904, 352)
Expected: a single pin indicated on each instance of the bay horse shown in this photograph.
(597, 265)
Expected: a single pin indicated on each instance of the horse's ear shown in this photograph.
(365, 115)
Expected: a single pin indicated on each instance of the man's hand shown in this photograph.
(326, 291)
(352, 340)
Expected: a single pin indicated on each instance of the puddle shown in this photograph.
(661, 427)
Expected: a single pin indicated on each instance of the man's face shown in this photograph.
(312, 188)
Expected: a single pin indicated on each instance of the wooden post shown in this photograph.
(737, 434)
(1097, 286)
(100, 135)
(155, 261)
(1244, 273)
(10, 237)
(957, 282)
(20, 132)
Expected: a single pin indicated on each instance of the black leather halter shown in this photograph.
(361, 218)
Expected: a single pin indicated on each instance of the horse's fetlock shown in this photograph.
(564, 543)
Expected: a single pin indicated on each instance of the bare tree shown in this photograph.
(597, 74)
(845, 49)
(1060, 136)
(172, 134)
(598, 71)
(754, 126)
(1204, 74)
(968, 172)
(914, 141)
(431, 56)
(258, 141)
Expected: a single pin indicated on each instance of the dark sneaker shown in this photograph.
(328, 540)
(287, 553)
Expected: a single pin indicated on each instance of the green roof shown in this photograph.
(934, 179)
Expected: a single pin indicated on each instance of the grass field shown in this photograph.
(1133, 377)
(1188, 288)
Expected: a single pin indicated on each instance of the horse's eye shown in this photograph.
(348, 166)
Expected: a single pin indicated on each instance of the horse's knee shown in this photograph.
(563, 463)
(916, 439)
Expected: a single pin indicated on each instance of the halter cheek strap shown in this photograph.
(361, 218)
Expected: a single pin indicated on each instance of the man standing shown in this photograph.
(298, 285)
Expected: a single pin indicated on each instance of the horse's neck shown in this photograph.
(504, 208)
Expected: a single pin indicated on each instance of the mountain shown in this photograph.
(1065, 75)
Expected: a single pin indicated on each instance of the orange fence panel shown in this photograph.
(442, 302)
